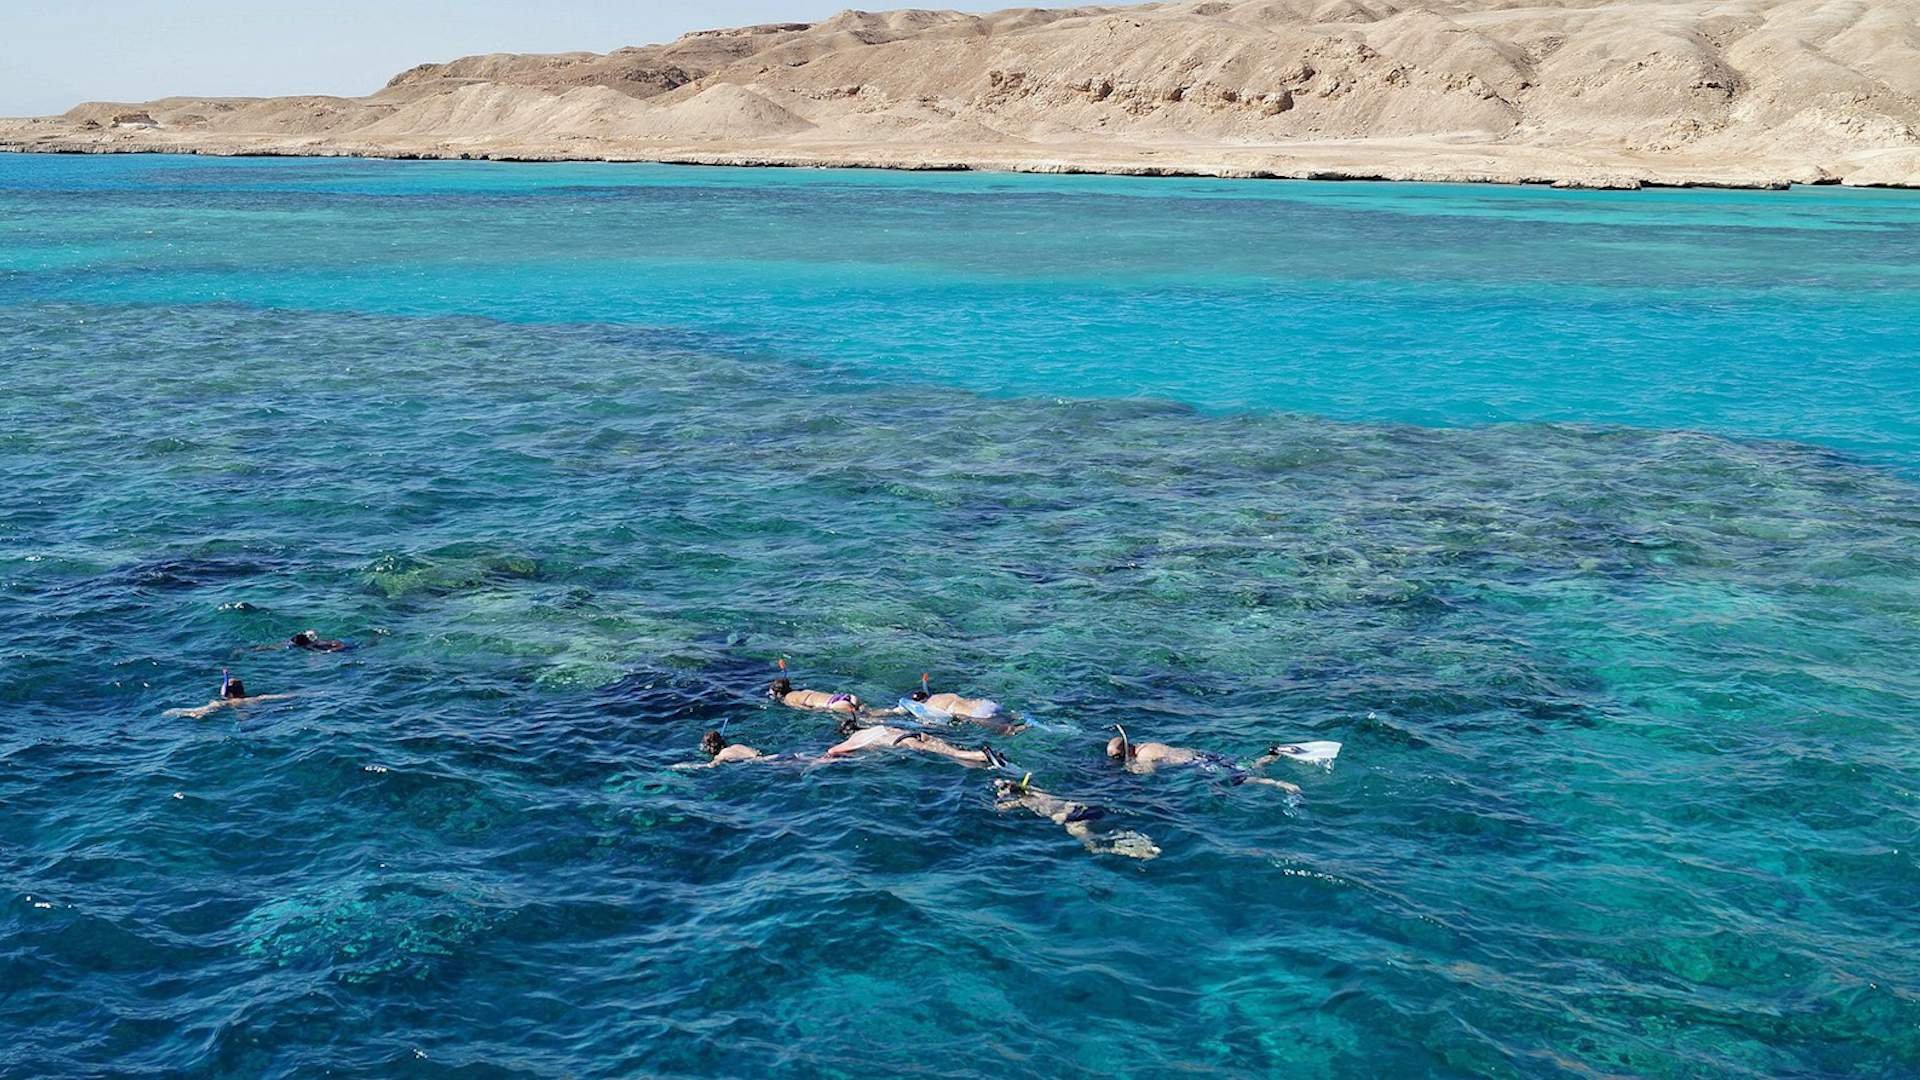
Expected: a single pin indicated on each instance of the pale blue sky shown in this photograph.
(62, 52)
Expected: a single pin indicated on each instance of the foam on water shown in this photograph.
(1628, 782)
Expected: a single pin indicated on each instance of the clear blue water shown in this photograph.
(1587, 521)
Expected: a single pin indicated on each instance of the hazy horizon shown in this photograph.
(126, 50)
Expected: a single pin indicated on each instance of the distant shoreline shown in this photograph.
(1593, 179)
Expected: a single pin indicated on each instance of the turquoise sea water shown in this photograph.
(1588, 522)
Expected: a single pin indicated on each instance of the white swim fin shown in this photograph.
(1310, 753)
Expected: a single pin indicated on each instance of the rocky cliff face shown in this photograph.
(1580, 91)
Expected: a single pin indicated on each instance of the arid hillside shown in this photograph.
(1594, 92)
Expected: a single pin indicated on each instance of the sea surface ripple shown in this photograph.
(1587, 522)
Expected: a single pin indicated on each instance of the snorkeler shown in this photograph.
(1149, 756)
(307, 640)
(881, 737)
(311, 641)
(1074, 817)
(233, 693)
(721, 752)
(926, 705)
(783, 692)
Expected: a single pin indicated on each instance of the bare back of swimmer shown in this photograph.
(783, 692)
(960, 708)
(982, 711)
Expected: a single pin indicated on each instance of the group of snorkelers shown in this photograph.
(863, 729)
(233, 692)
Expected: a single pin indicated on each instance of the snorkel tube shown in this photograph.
(773, 691)
(1012, 791)
(1126, 744)
(226, 680)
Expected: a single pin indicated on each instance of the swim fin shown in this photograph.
(1308, 753)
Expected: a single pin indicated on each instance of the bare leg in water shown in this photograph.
(1076, 818)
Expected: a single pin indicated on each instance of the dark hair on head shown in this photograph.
(305, 637)
(236, 688)
(847, 724)
(920, 694)
(781, 688)
(712, 743)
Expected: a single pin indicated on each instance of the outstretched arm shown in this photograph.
(216, 705)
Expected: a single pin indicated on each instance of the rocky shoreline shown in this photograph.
(1355, 169)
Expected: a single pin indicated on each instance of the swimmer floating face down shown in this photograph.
(1075, 817)
(1149, 757)
(782, 691)
(954, 708)
(311, 641)
(721, 752)
(880, 737)
(233, 693)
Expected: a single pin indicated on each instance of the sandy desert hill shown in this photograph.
(1593, 92)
